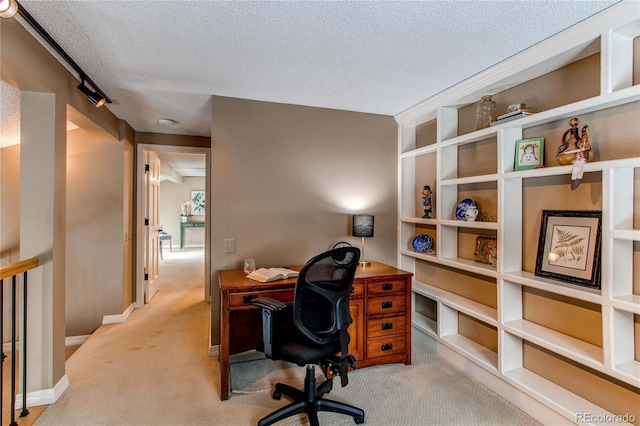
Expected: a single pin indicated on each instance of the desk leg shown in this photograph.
(224, 346)
(181, 231)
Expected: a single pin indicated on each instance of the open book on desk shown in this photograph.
(265, 275)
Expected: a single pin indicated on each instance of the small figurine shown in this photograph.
(575, 150)
(426, 202)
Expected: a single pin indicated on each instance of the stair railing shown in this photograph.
(13, 271)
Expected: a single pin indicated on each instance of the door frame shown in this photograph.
(139, 219)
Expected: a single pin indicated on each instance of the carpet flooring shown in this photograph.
(154, 369)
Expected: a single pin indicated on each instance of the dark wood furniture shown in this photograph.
(380, 306)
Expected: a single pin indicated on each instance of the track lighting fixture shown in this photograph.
(94, 97)
(8, 8)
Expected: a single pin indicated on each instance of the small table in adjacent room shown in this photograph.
(188, 225)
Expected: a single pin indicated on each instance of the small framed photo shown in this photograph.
(569, 246)
(529, 153)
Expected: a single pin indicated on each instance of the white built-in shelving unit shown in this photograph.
(610, 35)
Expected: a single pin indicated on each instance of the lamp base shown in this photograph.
(364, 263)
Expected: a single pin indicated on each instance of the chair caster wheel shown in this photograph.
(358, 420)
(276, 395)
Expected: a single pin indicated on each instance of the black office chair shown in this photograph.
(313, 331)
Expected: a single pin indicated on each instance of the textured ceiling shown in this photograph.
(164, 59)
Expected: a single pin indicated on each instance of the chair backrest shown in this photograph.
(321, 301)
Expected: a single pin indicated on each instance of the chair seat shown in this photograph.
(297, 353)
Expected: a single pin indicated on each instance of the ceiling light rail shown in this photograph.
(9, 8)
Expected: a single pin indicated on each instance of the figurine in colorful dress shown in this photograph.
(426, 202)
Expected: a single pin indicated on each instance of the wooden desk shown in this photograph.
(380, 307)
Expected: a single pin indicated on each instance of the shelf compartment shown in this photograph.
(425, 324)
(564, 112)
(458, 263)
(572, 348)
(563, 401)
(472, 308)
(473, 351)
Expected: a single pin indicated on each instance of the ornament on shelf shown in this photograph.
(575, 149)
(426, 202)
(486, 112)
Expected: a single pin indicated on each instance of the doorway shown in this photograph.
(172, 221)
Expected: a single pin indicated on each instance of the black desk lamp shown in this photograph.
(363, 227)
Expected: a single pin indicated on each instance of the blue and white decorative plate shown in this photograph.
(461, 209)
(422, 242)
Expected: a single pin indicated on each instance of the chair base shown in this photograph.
(309, 402)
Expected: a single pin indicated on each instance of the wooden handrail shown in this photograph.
(18, 267)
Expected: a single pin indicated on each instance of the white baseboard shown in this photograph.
(523, 401)
(45, 396)
(76, 340)
(115, 319)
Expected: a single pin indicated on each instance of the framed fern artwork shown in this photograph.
(569, 246)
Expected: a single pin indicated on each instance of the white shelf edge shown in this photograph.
(493, 177)
(628, 303)
(473, 351)
(477, 310)
(626, 234)
(457, 263)
(630, 370)
(567, 346)
(563, 401)
(429, 149)
(418, 220)
(596, 166)
(467, 224)
(556, 287)
(426, 325)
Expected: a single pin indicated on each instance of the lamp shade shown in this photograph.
(362, 225)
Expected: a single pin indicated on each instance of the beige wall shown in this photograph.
(46, 89)
(94, 220)
(172, 195)
(286, 180)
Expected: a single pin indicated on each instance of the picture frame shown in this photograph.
(569, 246)
(486, 249)
(198, 203)
(529, 154)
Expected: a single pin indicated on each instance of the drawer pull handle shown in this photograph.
(387, 325)
(387, 286)
(249, 298)
(387, 347)
(387, 305)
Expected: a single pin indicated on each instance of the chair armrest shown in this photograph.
(268, 303)
(272, 311)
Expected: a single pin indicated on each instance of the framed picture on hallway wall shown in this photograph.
(197, 203)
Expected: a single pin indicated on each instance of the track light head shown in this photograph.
(94, 97)
(8, 8)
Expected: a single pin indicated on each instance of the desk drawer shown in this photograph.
(244, 299)
(358, 290)
(387, 305)
(386, 346)
(387, 326)
(387, 286)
